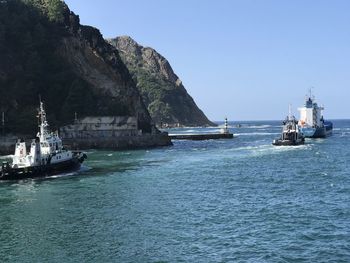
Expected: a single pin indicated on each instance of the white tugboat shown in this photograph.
(311, 120)
(291, 133)
(46, 157)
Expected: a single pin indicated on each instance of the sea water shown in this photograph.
(238, 200)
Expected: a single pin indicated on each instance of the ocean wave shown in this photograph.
(60, 175)
(265, 149)
(272, 150)
(83, 168)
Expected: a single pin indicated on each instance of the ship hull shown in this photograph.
(42, 170)
(319, 132)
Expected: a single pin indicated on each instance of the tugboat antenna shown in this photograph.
(3, 123)
(290, 112)
(310, 91)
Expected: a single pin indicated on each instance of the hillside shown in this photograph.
(162, 91)
(45, 51)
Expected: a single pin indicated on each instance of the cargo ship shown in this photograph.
(311, 122)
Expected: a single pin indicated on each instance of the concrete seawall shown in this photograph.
(7, 143)
(198, 137)
(119, 143)
(110, 132)
(7, 147)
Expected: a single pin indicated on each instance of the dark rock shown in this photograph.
(44, 50)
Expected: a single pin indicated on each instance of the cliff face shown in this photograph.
(162, 91)
(45, 51)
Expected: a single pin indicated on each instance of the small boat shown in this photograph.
(291, 133)
(47, 155)
(311, 122)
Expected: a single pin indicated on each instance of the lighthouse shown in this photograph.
(225, 130)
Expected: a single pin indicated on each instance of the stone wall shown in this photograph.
(96, 127)
(119, 143)
(110, 132)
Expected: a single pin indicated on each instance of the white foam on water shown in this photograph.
(257, 126)
(257, 133)
(268, 149)
(60, 175)
(83, 168)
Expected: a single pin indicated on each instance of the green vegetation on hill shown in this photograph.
(29, 66)
(53, 9)
(162, 91)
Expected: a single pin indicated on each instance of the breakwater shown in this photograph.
(119, 142)
(200, 137)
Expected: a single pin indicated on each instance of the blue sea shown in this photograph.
(238, 200)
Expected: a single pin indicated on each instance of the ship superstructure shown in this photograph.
(311, 120)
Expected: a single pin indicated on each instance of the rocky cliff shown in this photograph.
(45, 51)
(162, 91)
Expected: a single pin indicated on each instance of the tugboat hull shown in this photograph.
(10, 173)
(287, 142)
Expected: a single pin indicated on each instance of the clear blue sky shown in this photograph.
(247, 60)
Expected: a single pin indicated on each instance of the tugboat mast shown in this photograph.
(3, 123)
(310, 94)
(42, 134)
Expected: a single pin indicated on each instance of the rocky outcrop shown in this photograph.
(45, 51)
(99, 64)
(162, 91)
